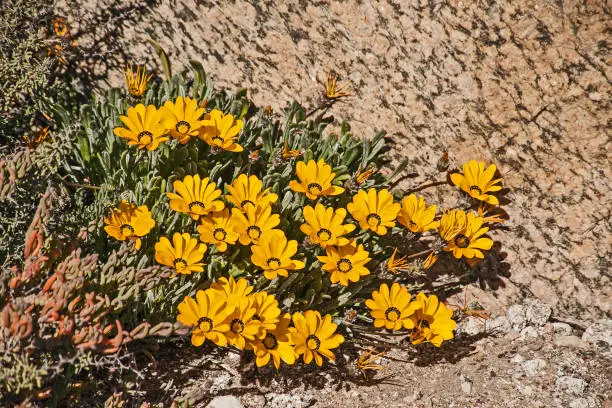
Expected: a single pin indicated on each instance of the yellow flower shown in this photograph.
(416, 216)
(397, 265)
(314, 337)
(144, 128)
(333, 90)
(136, 82)
(253, 223)
(477, 182)
(247, 191)
(373, 210)
(217, 228)
(266, 311)
(184, 254)
(463, 234)
(220, 130)
(244, 328)
(391, 309)
(273, 253)
(231, 291)
(315, 179)
(345, 263)
(195, 196)
(182, 118)
(276, 345)
(129, 223)
(324, 225)
(431, 321)
(208, 315)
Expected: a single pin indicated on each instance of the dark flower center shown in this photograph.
(256, 317)
(205, 324)
(313, 342)
(237, 326)
(145, 137)
(245, 202)
(183, 127)
(373, 220)
(273, 263)
(412, 223)
(219, 234)
(127, 230)
(314, 188)
(392, 314)
(180, 263)
(462, 241)
(254, 232)
(270, 342)
(324, 234)
(344, 265)
(476, 188)
(196, 206)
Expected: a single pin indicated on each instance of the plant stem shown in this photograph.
(428, 185)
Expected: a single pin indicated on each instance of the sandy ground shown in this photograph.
(523, 84)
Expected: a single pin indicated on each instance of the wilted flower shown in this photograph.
(230, 290)
(195, 196)
(136, 82)
(273, 253)
(363, 176)
(345, 263)
(276, 345)
(334, 90)
(144, 128)
(396, 265)
(288, 154)
(37, 138)
(463, 234)
(221, 130)
(324, 225)
(129, 223)
(477, 182)
(431, 321)
(253, 223)
(416, 216)
(217, 228)
(60, 26)
(182, 118)
(244, 327)
(373, 210)
(184, 254)
(314, 337)
(208, 314)
(391, 309)
(247, 191)
(315, 180)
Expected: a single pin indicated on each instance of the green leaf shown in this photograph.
(164, 58)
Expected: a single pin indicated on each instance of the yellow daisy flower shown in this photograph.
(416, 216)
(230, 290)
(217, 229)
(391, 309)
(373, 210)
(144, 128)
(195, 196)
(136, 82)
(208, 315)
(244, 328)
(247, 191)
(431, 321)
(314, 336)
(345, 263)
(276, 345)
(220, 130)
(324, 225)
(129, 223)
(478, 181)
(184, 253)
(253, 223)
(266, 311)
(182, 118)
(463, 234)
(315, 180)
(273, 253)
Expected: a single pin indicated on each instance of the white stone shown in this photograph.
(517, 359)
(285, 401)
(533, 367)
(570, 341)
(580, 403)
(599, 333)
(225, 401)
(500, 325)
(570, 385)
(516, 316)
(562, 328)
(466, 384)
(537, 312)
(529, 332)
